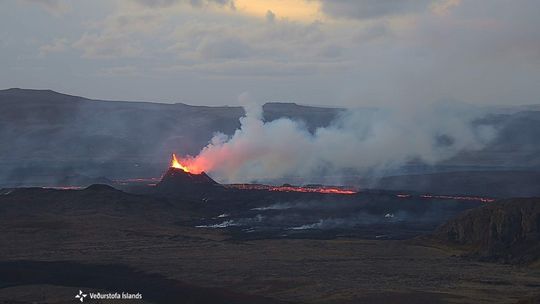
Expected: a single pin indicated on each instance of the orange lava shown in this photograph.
(175, 163)
(322, 189)
(187, 165)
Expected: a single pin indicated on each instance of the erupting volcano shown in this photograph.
(182, 178)
(175, 163)
(190, 164)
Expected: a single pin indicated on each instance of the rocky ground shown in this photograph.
(49, 254)
(504, 231)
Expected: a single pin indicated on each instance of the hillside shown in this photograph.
(55, 242)
(507, 231)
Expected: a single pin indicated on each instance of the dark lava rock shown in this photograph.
(505, 231)
(531, 300)
(179, 181)
(101, 187)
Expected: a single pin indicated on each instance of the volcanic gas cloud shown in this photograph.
(358, 139)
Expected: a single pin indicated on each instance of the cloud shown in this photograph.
(107, 46)
(225, 48)
(373, 32)
(120, 71)
(270, 16)
(145, 22)
(331, 51)
(168, 3)
(220, 2)
(358, 52)
(445, 6)
(55, 7)
(157, 3)
(58, 45)
(261, 41)
(119, 35)
(259, 69)
(369, 9)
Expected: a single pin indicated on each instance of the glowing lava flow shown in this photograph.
(175, 163)
(188, 165)
(326, 190)
(287, 188)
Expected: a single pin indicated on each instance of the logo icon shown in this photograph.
(81, 296)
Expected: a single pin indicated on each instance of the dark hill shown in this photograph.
(96, 200)
(506, 231)
(177, 181)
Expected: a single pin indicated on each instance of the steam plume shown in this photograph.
(361, 140)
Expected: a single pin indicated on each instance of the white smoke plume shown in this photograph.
(361, 140)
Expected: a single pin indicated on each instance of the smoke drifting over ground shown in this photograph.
(361, 140)
(55, 139)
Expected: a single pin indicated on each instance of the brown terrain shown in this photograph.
(55, 242)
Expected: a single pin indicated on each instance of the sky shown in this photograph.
(319, 52)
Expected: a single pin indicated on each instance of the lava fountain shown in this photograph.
(182, 177)
(175, 163)
(189, 164)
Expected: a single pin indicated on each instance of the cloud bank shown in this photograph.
(350, 53)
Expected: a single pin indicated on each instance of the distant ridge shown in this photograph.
(47, 93)
(43, 94)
